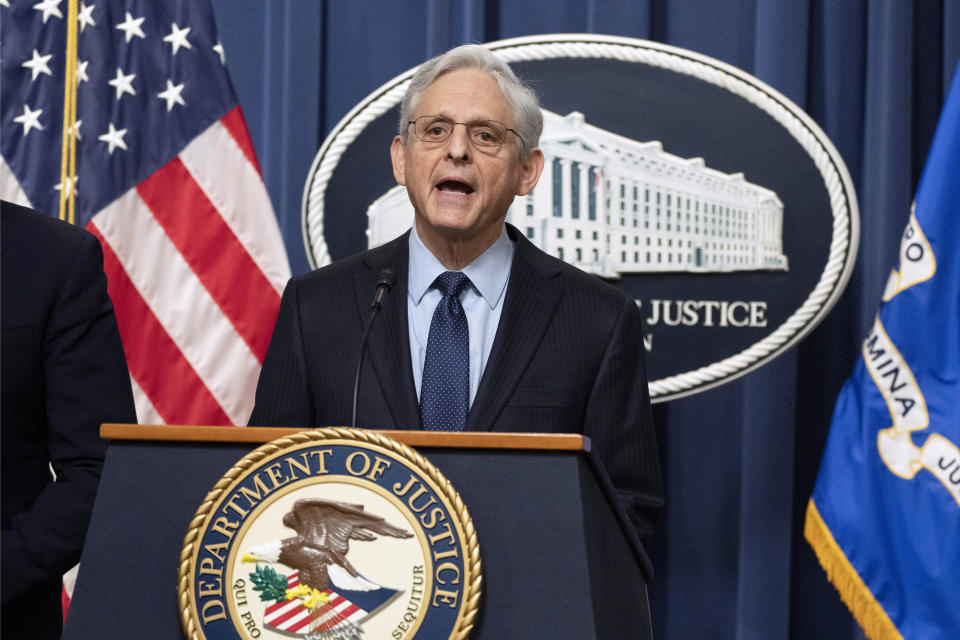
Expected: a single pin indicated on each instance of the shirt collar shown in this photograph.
(488, 273)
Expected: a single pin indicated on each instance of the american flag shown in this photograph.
(337, 614)
(166, 178)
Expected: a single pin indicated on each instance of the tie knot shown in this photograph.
(451, 283)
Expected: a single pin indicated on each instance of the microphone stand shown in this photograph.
(384, 283)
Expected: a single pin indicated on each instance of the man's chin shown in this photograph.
(449, 226)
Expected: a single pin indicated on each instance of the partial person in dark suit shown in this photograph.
(551, 349)
(62, 373)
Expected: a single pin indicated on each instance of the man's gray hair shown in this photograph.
(522, 100)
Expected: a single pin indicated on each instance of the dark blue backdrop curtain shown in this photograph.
(740, 460)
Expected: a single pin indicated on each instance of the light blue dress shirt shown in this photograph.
(482, 301)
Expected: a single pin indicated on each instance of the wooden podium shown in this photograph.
(560, 558)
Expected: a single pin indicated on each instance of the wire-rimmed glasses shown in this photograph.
(482, 133)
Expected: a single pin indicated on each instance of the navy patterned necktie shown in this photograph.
(445, 387)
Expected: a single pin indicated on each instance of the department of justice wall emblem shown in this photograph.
(710, 198)
(330, 534)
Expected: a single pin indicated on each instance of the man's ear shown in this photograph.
(530, 169)
(398, 156)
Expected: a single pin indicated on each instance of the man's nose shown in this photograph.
(458, 144)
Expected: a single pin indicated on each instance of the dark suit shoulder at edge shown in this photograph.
(566, 275)
(38, 229)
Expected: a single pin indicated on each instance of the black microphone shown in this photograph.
(384, 282)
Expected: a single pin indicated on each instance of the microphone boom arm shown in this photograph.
(384, 284)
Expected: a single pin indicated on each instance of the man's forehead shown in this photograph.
(464, 93)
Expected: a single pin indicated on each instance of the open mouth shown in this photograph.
(454, 186)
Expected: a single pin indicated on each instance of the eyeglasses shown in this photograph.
(482, 133)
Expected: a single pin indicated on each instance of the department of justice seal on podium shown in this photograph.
(330, 534)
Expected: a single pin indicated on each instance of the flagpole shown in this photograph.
(68, 150)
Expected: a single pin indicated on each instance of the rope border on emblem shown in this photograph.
(472, 591)
(843, 204)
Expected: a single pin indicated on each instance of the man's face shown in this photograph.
(460, 192)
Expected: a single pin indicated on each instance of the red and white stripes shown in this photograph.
(292, 617)
(195, 265)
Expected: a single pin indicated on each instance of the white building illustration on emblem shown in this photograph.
(610, 205)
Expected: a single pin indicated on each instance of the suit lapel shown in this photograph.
(532, 299)
(389, 346)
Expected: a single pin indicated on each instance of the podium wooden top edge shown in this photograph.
(259, 435)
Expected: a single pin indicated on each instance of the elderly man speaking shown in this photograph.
(484, 332)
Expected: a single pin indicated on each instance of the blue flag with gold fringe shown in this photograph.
(884, 519)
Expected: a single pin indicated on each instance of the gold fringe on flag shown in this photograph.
(854, 593)
(68, 150)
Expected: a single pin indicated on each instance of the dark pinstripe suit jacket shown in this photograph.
(63, 373)
(567, 358)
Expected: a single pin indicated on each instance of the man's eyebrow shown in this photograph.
(451, 119)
